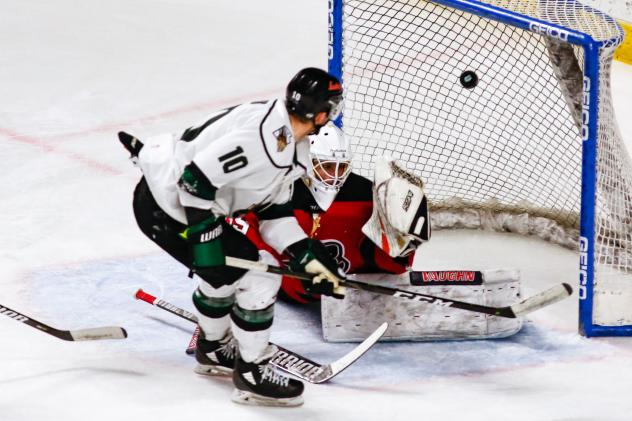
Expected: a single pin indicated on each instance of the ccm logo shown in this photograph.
(434, 301)
(583, 267)
(548, 31)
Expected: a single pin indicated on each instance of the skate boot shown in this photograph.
(215, 358)
(257, 383)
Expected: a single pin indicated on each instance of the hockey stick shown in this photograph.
(193, 342)
(92, 334)
(284, 359)
(533, 303)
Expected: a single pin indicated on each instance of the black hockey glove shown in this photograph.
(206, 246)
(131, 143)
(311, 256)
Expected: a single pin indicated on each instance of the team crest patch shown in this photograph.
(337, 250)
(283, 138)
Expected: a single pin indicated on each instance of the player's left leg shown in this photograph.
(215, 300)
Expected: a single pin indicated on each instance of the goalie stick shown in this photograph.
(91, 334)
(528, 305)
(284, 359)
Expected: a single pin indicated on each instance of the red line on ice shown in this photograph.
(204, 106)
(46, 144)
(51, 148)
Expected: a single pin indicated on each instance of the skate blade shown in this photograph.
(213, 370)
(248, 398)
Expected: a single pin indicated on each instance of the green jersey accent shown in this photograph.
(196, 183)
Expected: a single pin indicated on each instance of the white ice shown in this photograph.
(73, 74)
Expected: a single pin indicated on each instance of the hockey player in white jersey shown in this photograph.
(244, 158)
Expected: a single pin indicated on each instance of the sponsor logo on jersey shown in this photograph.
(12, 314)
(446, 277)
(282, 136)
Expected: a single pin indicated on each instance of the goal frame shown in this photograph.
(589, 130)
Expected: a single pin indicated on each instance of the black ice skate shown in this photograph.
(258, 383)
(215, 358)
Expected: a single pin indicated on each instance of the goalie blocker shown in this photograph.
(348, 320)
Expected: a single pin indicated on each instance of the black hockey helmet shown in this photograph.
(312, 91)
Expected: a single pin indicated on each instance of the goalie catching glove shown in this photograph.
(400, 220)
(311, 256)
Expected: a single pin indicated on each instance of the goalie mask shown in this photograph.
(330, 154)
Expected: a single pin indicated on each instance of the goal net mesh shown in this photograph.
(505, 154)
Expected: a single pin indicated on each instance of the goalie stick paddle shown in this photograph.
(286, 360)
(91, 334)
(533, 303)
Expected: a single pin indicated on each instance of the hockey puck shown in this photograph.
(469, 79)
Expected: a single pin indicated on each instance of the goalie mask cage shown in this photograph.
(504, 108)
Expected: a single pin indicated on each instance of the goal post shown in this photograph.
(504, 108)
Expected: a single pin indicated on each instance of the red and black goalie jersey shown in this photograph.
(339, 228)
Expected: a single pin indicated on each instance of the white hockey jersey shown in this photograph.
(248, 154)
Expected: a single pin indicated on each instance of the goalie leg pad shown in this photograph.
(352, 319)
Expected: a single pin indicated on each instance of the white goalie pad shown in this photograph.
(400, 209)
(354, 317)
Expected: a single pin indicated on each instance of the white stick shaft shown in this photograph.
(246, 264)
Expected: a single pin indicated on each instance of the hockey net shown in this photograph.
(508, 153)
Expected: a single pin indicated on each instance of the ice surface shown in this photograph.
(73, 74)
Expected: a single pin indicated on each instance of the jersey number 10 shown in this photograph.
(234, 160)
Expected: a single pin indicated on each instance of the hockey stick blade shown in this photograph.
(91, 334)
(543, 299)
(98, 333)
(286, 360)
(335, 368)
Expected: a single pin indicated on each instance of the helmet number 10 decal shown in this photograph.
(234, 160)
